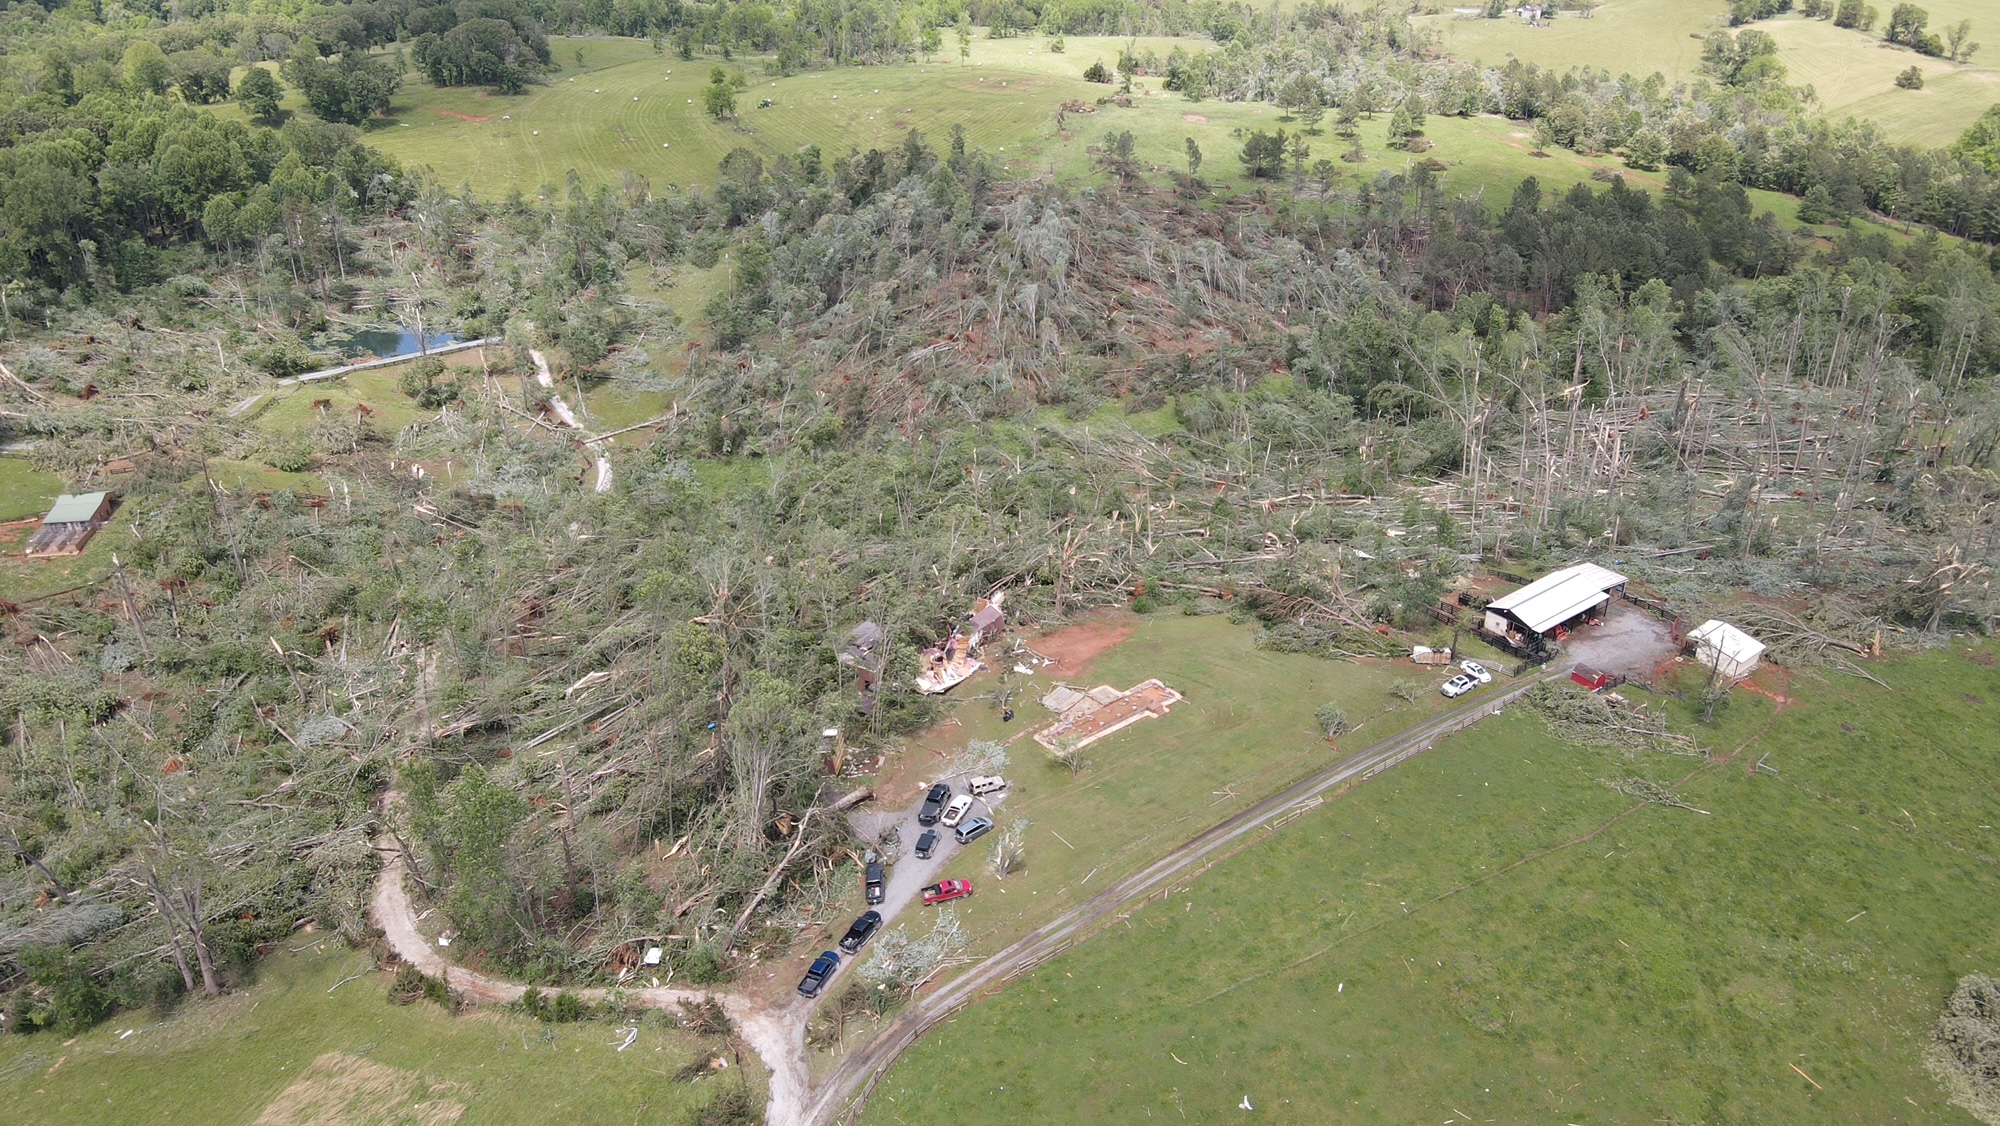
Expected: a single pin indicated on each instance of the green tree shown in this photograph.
(1300, 97)
(259, 92)
(146, 69)
(1097, 72)
(1193, 156)
(1263, 155)
(964, 38)
(1911, 79)
(719, 97)
(1645, 149)
(1958, 40)
(203, 76)
(1906, 25)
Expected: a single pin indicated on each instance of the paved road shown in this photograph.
(841, 1095)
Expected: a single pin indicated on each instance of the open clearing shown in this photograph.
(1244, 731)
(1851, 71)
(1672, 967)
(284, 1051)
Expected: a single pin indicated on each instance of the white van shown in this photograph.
(982, 784)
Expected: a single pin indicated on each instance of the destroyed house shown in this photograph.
(71, 521)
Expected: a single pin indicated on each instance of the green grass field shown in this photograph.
(1852, 72)
(1675, 967)
(227, 1061)
(25, 490)
(1622, 36)
(1855, 74)
(1245, 730)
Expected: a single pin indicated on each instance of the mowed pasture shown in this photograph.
(315, 1040)
(1245, 730)
(1852, 72)
(632, 110)
(1488, 933)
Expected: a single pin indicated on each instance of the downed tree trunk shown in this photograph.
(850, 799)
(770, 881)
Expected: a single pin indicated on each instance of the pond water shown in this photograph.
(389, 342)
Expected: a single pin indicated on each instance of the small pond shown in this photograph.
(388, 342)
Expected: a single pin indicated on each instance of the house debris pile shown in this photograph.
(1082, 718)
(948, 665)
(866, 654)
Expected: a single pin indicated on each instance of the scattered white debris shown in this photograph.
(128, 1032)
(635, 97)
(444, 940)
(663, 144)
(536, 133)
(1342, 989)
(631, 1034)
(653, 955)
(1360, 554)
(1023, 669)
(1245, 1104)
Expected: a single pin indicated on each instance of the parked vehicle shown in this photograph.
(973, 830)
(956, 811)
(876, 882)
(934, 804)
(927, 844)
(983, 784)
(1458, 686)
(863, 929)
(1476, 671)
(944, 891)
(822, 968)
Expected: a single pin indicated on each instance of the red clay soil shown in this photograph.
(1073, 648)
(476, 119)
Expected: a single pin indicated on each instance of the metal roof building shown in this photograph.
(1552, 600)
(1725, 648)
(71, 521)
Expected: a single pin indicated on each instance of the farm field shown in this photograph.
(1855, 74)
(1636, 36)
(1427, 948)
(1005, 101)
(1245, 730)
(287, 1048)
(1852, 72)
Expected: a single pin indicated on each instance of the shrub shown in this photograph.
(1097, 72)
(566, 1008)
(1964, 1055)
(1911, 79)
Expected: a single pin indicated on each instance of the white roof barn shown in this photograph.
(1553, 599)
(1725, 648)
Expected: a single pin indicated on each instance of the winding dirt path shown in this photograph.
(568, 417)
(778, 1036)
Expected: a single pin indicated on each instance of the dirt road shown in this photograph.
(842, 1094)
(777, 1035)
(561, 410)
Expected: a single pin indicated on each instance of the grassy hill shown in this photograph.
(1850, 70)
(1488, 933)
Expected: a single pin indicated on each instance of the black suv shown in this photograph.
(927, 844)
(934, 804)
(863, 928)
(876, 894)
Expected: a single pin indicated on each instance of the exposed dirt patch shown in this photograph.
(1197, 118)
(1631, 642)
(475, 118)
(343, 1090)
(1073, 648)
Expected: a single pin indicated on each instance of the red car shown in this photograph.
(945, 891)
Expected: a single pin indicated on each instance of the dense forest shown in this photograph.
(598, 714)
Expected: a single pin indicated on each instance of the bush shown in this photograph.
(1097, 72)
(566, 1008)
(1911, 79)
(733, 1106)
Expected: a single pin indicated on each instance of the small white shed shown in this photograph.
(1725, 648)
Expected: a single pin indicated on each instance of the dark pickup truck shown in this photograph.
(875, 883)
(934, 804)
